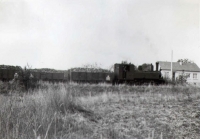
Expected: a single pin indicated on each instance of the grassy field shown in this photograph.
(83, 111)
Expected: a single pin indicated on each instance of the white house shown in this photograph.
(179, 68)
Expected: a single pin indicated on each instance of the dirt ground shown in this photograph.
(143, 116)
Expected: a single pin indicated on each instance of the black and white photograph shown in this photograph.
(99, 69)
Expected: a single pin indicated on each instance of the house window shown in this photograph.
(194, 75)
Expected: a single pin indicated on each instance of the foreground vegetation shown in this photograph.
(62, 111)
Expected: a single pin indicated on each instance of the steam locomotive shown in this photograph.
(123, 73)
(127, 73)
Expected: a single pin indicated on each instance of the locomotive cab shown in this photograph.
(122, 71)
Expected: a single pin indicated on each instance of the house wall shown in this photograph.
(166, 73)
(192, 79)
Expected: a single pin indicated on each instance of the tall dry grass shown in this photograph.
(58, 111)
(47, 112)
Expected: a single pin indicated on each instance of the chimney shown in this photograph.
(181, 63)
(157, 66)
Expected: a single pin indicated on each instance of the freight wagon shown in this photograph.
(7, 74)
(89, 77)
(47, 76)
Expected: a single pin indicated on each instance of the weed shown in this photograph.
(73, 110)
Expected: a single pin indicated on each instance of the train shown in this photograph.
(123, 73)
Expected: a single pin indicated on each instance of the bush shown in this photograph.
(25, 78)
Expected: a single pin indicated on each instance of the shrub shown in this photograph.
(25, 78)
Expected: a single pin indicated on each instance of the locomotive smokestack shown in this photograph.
(151, 67)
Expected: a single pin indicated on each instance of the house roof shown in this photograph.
(177, 66)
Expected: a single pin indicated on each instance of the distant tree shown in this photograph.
(126, 62)
(111, 68)
(140, 67)
(145, 67)
(94, 66)
(26, 77)
(185, 60)
(182, 78)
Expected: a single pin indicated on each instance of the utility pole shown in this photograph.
(172, 65)
(70, 80)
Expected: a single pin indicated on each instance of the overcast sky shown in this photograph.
(61, 34)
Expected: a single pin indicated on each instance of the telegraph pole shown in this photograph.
(172, 65)
(70, 77)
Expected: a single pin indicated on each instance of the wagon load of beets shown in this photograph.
(10, 67)
(47, 70)
(89, 70)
